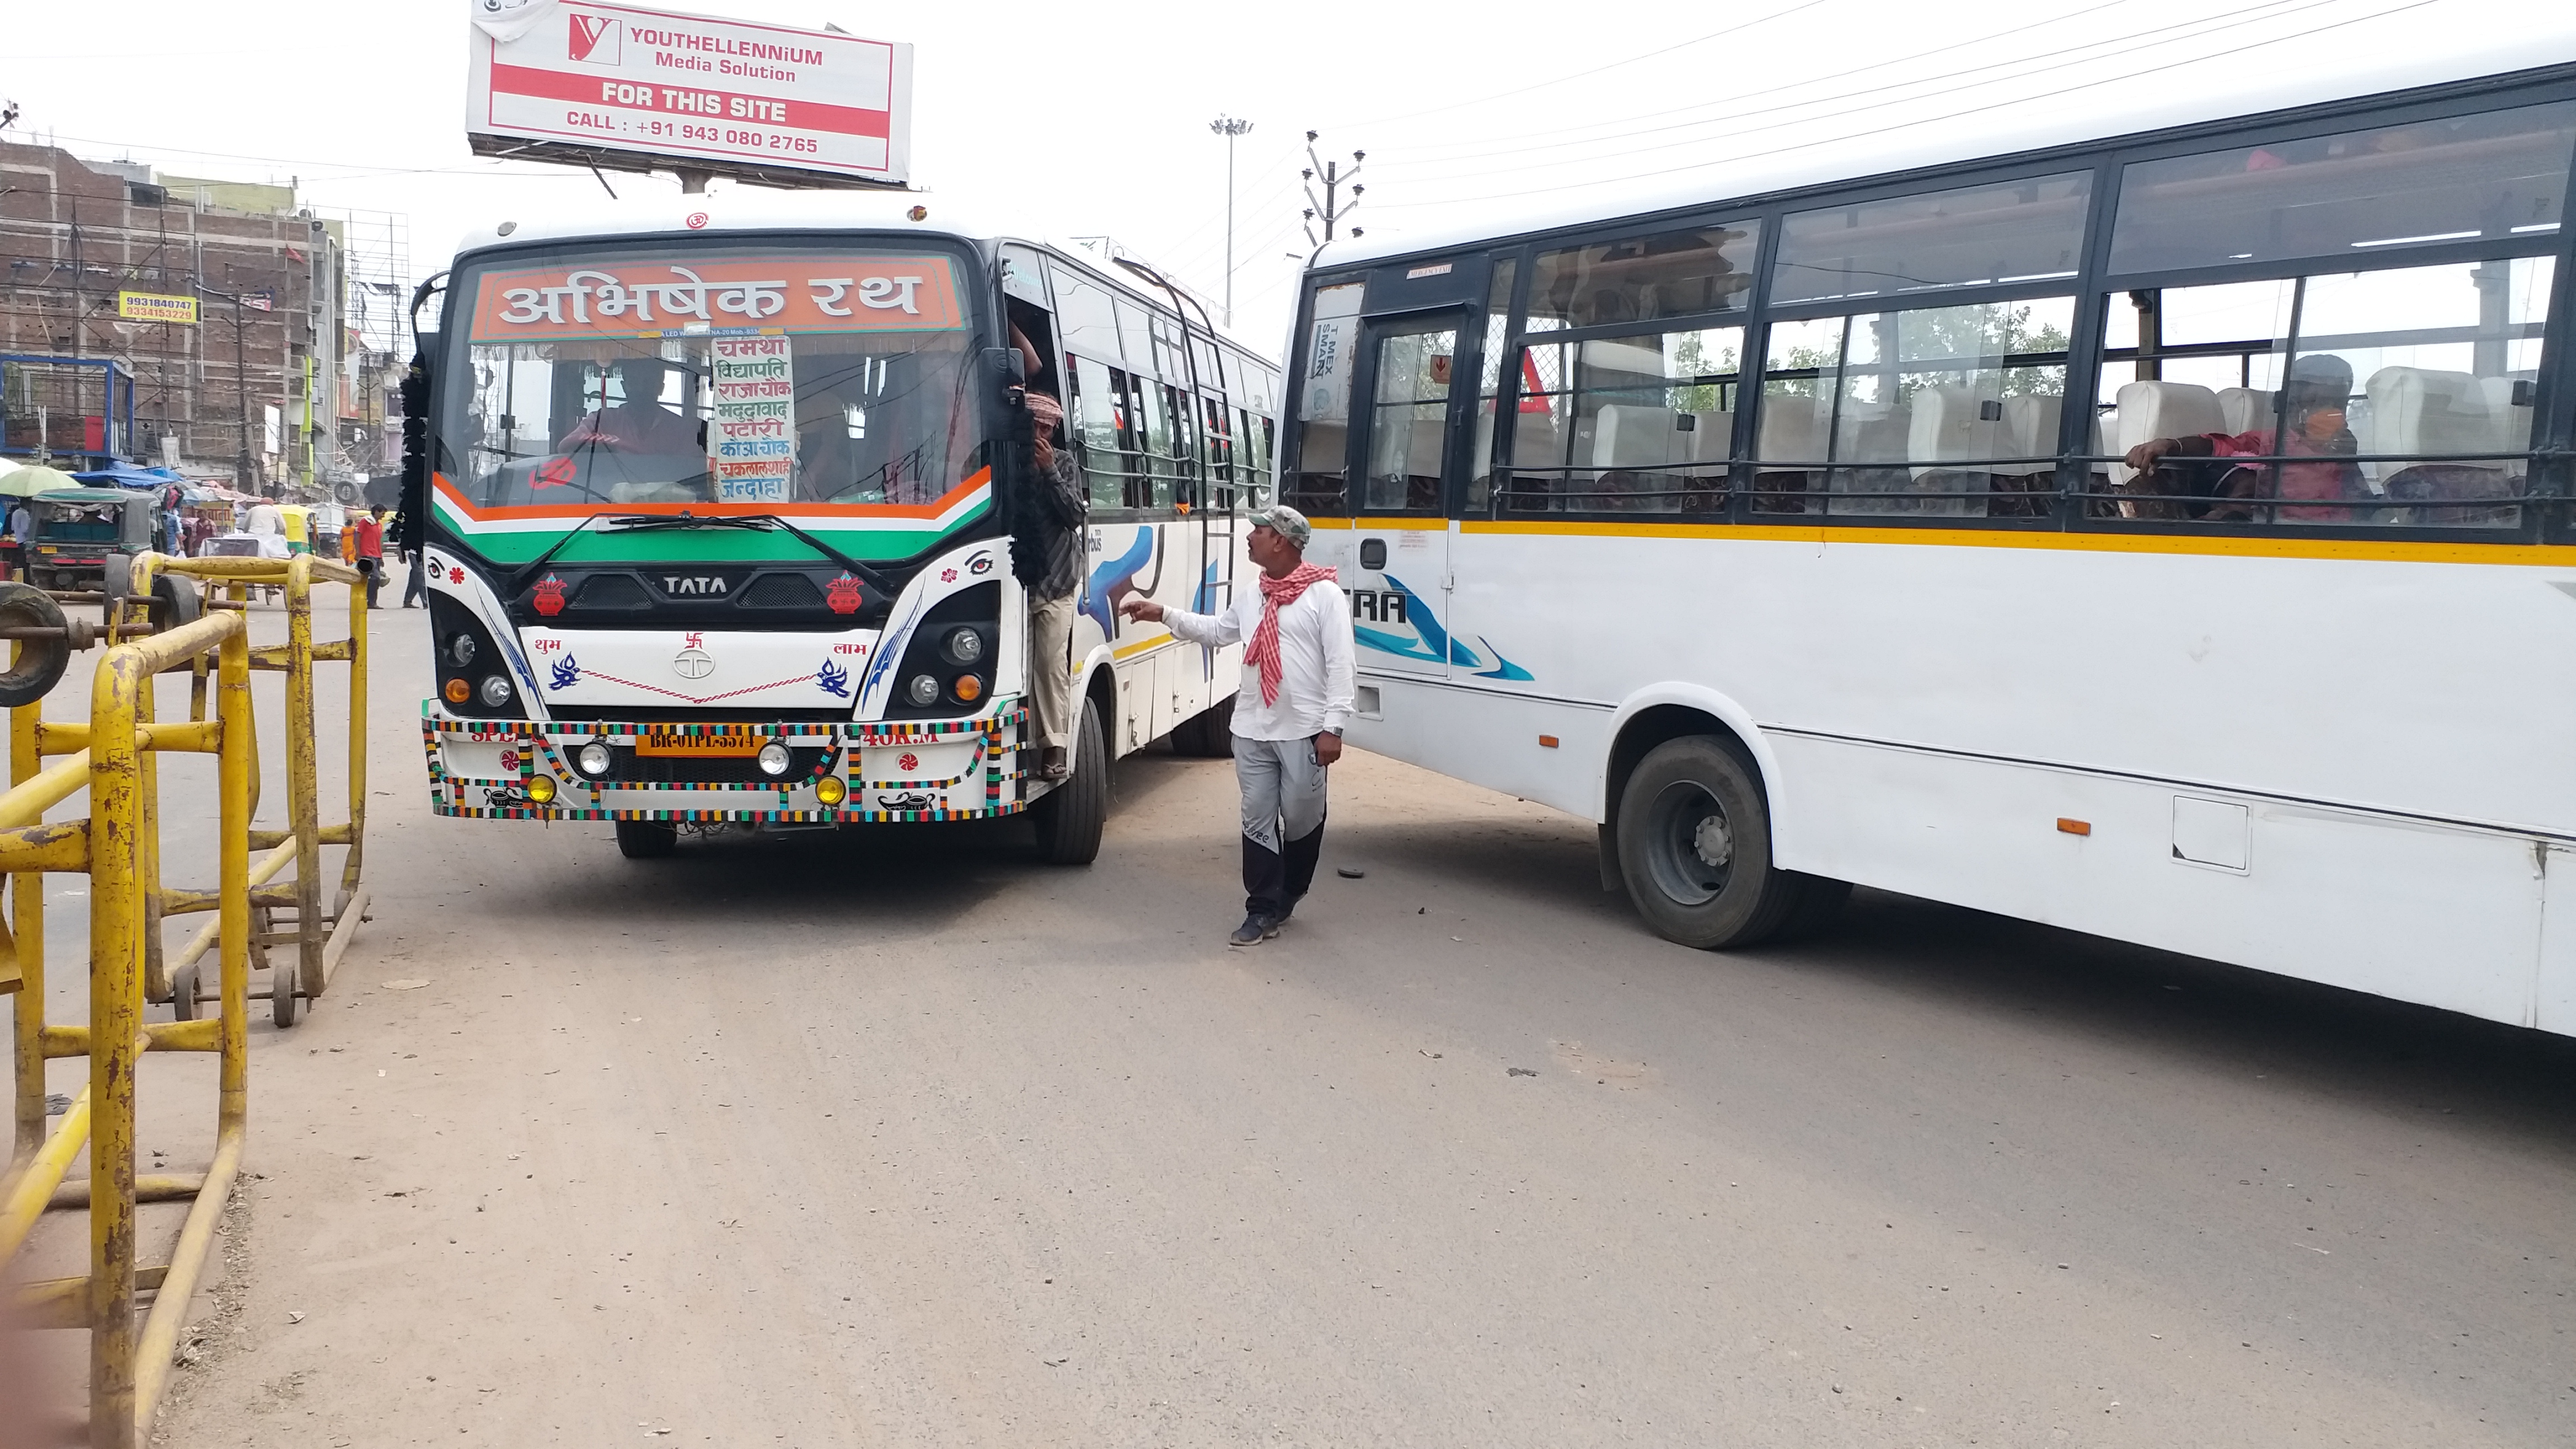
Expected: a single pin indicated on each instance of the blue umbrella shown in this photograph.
(127, 475)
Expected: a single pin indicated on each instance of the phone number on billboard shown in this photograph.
(763, 140)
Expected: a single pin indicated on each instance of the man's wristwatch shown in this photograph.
(1336, 734)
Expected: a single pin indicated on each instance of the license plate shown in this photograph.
(702, 747)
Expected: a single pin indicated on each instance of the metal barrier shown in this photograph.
(118, 846)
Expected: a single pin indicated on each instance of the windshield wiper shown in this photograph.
(757, 523)
(528, 574)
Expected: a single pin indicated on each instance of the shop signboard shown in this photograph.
(155, 307)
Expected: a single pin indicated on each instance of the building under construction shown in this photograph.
(281, 382)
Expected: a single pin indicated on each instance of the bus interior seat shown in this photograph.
(2245, 409)
(2149, 409)
(1712, 437)
(2512, 419)
(2031, 423)
(1949, 425)
(1625, 437)
(2427, 411)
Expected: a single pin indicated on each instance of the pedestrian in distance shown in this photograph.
(415, 593)
(1288, 712)
(369, 530)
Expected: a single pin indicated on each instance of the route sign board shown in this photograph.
(617, 86)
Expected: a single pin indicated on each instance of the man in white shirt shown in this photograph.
(1288, 712)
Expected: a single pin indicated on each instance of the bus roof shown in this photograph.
(2225, 90)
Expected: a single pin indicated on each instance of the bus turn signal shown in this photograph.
(2074, 827)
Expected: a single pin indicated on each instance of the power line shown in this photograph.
(1596, 70)
(2212, 25)
(1915, 122)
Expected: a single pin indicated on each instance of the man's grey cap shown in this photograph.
(1285, 521)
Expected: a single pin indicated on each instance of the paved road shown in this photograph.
(901, 1139)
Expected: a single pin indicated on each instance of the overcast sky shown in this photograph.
(1094, 119)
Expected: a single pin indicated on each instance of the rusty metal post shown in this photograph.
(303, 782)
(354, 861)
(27, 926)
(115, 1026)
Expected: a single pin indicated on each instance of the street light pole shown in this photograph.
(1230, 129)
(241, 392)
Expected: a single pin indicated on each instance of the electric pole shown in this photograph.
(1230, 129)
(1330, 209)
(241, 391)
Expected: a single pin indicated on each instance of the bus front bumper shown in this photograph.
(891, 771)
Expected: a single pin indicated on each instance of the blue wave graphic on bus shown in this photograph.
(1435, 646)
(1098, 595)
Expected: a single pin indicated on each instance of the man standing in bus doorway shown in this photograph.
(1288, 715)
(1046, 557)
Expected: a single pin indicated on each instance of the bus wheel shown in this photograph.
(647, 839)
(1207, 735)
(1070, 816)
(1695, 847)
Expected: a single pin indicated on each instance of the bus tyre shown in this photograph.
(1070, 816)
(647, 839)
(1207, 735)
(1695, 847)
(1819, 901)
(40, 662)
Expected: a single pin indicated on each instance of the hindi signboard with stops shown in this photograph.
(638, 90)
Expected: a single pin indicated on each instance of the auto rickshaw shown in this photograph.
(87, 537)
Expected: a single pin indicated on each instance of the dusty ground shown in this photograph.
(901, 1139)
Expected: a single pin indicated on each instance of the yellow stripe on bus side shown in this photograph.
(2385, 550)
(1129, 651)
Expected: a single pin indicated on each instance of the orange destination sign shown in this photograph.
(656, 298)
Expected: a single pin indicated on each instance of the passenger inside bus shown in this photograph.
(2317, 395)
(642, 422)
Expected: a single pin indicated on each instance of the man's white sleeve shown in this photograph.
(1214, 630)
(1339, 664)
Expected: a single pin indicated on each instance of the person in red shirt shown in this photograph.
(2317, 393)
(370, 529)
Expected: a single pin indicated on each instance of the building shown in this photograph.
(254, 389)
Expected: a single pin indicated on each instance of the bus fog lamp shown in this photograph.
(774, 760)
(594, 759)
(922, 689)
(496, 690)
(541, 789)
(458, 691)
(969, 688)
(965, 646)
(830, 790)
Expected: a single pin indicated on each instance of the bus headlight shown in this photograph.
(541, 789)
(965, 646)
(461, 650)
(594, 759)
(922, 690)
(774, 759)
(830, 790)
(969, 688)
(496, 690)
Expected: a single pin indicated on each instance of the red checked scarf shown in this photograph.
(1263, 651)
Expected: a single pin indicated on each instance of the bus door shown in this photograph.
(1407, 445)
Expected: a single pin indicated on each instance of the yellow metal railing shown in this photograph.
(117, 846)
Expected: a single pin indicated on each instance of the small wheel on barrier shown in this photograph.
(282, 1001)
(183, 994)
(116, 582)
(175, 603)
(42, 661)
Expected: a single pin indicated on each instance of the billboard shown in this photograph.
(155, 307)
(640, 90)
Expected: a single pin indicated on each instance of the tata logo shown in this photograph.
(693, 664)
(596, 39)
(701, 586)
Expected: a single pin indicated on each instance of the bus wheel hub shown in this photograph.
(1713, 842)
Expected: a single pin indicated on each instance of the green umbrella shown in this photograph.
(30, 481)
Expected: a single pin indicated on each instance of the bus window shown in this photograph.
(1090, 320)
(2400, 396)
(2496, 174)
(1101, 431)
(1646, 278)
(1646, 422)
(1409, 420)
(1937, 411)
(1220, 452)
(1319, 460)
(2015, 231)
(1489, 385)
(1211, 377)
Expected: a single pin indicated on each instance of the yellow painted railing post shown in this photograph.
(115, 1023)
(303, 784)
(351, 863)
(27, 925)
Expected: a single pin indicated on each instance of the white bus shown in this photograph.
(715, 497)
(1788, 532)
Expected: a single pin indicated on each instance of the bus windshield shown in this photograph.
(737, 379)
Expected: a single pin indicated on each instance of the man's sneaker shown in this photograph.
(1253, 931)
